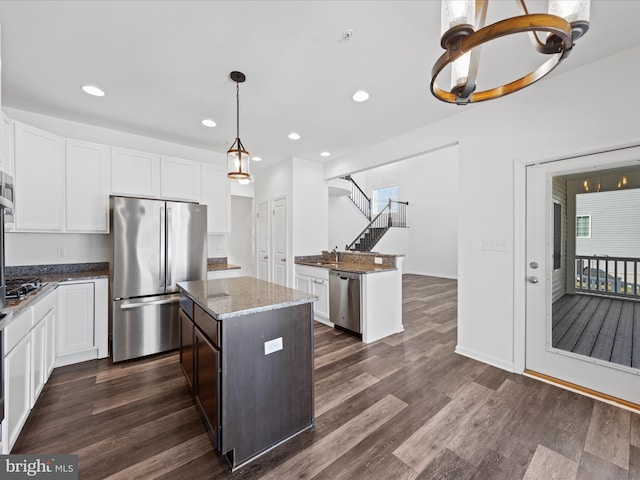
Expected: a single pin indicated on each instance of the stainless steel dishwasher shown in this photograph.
(345, 309)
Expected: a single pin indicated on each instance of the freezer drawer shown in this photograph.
(145, 326)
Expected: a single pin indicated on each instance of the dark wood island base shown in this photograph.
(247, 354)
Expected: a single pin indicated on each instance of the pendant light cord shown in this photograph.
(237, 110)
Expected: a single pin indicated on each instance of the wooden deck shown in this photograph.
(598, 327)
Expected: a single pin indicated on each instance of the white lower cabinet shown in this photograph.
(315, 280)
(76, 326)
(17, 385)
(37, 361)
(82, 321)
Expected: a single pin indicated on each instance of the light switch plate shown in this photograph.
(495, 245)
(273, 346)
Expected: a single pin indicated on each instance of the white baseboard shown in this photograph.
(481, 357)
(76, 357)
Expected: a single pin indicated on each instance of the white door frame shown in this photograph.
(610, 154)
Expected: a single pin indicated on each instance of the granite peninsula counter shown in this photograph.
(246, 350)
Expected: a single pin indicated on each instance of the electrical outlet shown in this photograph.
(377, 260)
(273, 345)
(62, 252)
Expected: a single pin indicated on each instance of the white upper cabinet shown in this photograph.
(135, 173)
(6, 145)
(39, 180)
(179, 179)
(216, 196)
(87, 186)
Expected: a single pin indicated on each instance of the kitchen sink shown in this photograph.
(327, 263)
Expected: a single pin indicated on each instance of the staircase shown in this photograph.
(394, 214)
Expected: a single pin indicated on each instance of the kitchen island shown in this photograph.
(246, 349)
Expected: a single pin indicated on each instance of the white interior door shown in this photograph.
(541, 357)
(279, 256)
(262, 232)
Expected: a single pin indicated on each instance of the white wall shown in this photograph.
(302, 182)
(559, 116)
(53, 248)
(345, 221)
(36, 249)
(241, 239)
(429, 182)
(310, 211)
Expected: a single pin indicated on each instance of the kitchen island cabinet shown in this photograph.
(247, 354)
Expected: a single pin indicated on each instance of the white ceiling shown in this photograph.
(165, 66)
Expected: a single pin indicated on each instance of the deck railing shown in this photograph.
(617, 276)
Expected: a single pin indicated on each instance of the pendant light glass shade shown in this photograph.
(576, 12)
(238, 157)
(456, 16)
(238, 162)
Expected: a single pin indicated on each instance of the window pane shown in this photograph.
(583, 226)
(381, 198)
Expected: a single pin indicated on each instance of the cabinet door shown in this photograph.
(17, 367)
(303, 283)
(179, 179)
(186, 348)
(37, 361)
(75, 318)
(215, 195)
(50, 342)
(207, 380)
(87, 184)
(321, 306)
(135, 173)
(39, 172)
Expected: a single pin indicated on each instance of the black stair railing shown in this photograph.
(359, 198)
(394, 214)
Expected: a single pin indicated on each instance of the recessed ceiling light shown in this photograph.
(256, 159)
(294, 136)
(207, 122)
(325, 154)
(360, 96)
(93, 90)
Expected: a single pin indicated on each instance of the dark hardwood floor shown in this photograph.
(406, 407)
(598, 327)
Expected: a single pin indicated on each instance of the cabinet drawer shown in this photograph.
(43, 306)
(209, 326)
(17, 329)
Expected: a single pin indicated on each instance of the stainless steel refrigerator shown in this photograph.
(155, 243)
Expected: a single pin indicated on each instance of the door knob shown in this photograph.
(534, 265)
(283, 259)
(265, 257)
(533, 279)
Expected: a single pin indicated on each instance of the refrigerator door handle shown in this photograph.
(164, 301)
(163, 267)
(169, 279)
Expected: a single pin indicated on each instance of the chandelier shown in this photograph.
(237, 155)
(464, 31)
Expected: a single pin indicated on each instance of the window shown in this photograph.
(583, 226)
(381, 198)
(557, 236)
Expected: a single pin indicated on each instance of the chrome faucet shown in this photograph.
(335, 252)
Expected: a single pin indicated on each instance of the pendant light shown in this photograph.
(463, 31)
(237, 155)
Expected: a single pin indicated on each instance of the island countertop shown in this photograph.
(231, 297)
